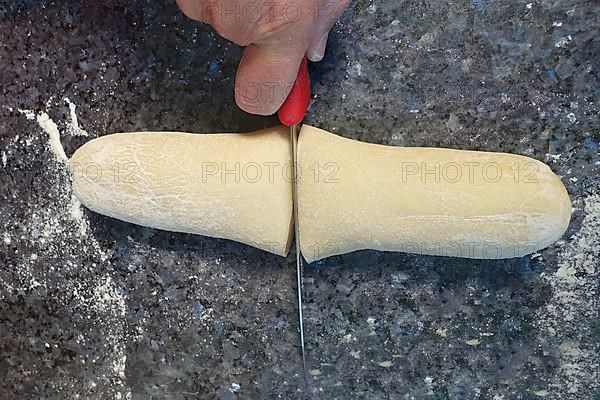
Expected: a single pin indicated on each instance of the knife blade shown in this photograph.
(291, 114)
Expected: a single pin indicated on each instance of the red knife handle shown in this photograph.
(294, 107)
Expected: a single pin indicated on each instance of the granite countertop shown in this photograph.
(95, 308)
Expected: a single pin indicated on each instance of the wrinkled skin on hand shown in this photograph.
(276, 34)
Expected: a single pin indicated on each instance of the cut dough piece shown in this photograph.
(232, 186)
(355, 195)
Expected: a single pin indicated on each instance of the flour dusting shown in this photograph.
(566, 323)
(77, 215)
(60, 263)
(108, 300)
(73, 127)
(51, 129)
(30, 115)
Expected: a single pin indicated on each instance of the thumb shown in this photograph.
(266, 74)
(327, 18)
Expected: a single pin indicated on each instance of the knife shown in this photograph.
(291, 114)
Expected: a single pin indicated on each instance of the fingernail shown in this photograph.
(319, 51)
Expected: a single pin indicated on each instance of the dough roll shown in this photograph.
(232, 186)
(355, 195)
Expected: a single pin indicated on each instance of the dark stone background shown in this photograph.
(91, 307)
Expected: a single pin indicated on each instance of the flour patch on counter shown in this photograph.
(61, 263)
(566, 322)
(73, 127)
(51, 129)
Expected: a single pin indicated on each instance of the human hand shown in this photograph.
(276, 34)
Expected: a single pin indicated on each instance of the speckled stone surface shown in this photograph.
(95, 308)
